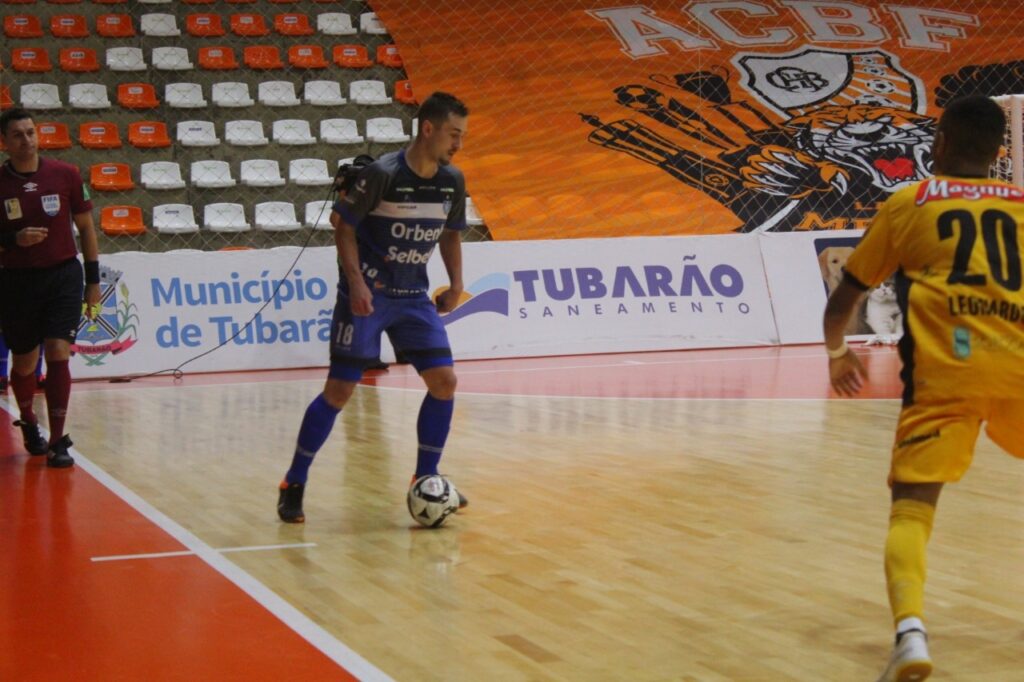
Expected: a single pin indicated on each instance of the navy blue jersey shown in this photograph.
(398, 218)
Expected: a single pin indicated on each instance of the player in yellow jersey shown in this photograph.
(954, 243)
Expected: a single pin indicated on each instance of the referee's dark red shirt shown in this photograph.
(47, 198)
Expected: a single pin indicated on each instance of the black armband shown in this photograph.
(92, 272)
(8, 239)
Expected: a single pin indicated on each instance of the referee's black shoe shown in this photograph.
(58, 458)
(34, 442)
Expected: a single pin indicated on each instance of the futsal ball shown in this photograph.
(431, 500)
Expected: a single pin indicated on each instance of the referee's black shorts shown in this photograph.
(40, 303)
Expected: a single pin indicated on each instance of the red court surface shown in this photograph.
(196, 616)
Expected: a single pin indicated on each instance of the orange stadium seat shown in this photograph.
(53, 135)
(388, 56)
(204, 25)
(115, 25)
(99, 135)
(79, 60)
(248, 25)
(263, 57)
(148, 134)
(351, 56)
(293, 25)
(69, 26)
(111, 177)
(121, 220)
(217, 58)
(30, 59)
(22, 26)
(137, 96)
(5, 97)
(403, 92)
(307, 57)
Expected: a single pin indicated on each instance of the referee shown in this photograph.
(41, 289)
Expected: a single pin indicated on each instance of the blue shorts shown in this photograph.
(412, 324)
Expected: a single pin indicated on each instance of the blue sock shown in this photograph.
(316, 426)
(432, 428)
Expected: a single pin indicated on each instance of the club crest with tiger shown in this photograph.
(808, 150)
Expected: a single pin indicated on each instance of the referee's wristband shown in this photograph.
(92, 272)
(836, 353)
(8, 239)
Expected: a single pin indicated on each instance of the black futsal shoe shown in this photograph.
(34, 442)
(289, 502)
(59, 457)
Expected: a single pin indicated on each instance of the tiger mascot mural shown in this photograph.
(824, 138)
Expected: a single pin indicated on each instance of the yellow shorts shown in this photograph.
(935, 440)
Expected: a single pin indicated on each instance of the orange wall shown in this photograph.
(527, 69)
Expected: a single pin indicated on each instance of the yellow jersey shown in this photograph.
(954, 244)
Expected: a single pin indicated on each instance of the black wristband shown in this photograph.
(8, 239)
(92, 272)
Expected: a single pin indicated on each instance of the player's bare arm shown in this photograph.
(359, 294)
(451, 253)
(90, 254)
(845, 369)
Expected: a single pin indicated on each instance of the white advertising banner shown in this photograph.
(522, 298)
(802, 268)
(610, 295)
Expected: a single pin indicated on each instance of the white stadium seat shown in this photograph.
(174, 219)
(88, 96)
(292, 132)
(370, 24)
(184, 96)
(245, 133)
(125, 59)
(232, 95)
(335, 24)
(40, 96)
(222, 217)
(385, 130)
(261, 173)
(323, 93)
(161, 25)
(318, 215)
(171, 59)
(162, 175)
(309, 172)
(210, 173)
(278, 94)
(340, 131)
(276, 216)
(473, 218)
(368, 92)
(197, 134)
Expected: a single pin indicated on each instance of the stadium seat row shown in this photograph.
(200, 25)
(270, 216)
(240, 133)
(256, 57)
(92, 96)
(211, 174)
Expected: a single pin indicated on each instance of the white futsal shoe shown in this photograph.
(910, 661)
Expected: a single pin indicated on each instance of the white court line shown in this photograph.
(222, 550)
(299, 622)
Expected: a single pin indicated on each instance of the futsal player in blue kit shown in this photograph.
(386, 228)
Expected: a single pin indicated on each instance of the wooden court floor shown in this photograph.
(702, 515)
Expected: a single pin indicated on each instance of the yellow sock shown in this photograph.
(910, 526)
